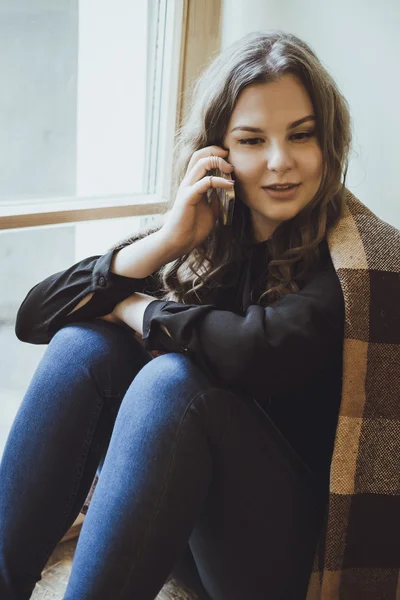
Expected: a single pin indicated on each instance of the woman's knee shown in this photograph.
(171, 373)
(89, 339)
(173, 384)
(103, 349)
(172, 390)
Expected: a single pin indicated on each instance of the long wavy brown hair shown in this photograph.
(293, 249)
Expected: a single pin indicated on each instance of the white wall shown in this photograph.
(359, 44)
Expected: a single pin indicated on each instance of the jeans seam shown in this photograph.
(162, 493)
(108, 396)
(219, 390)
(82, 459)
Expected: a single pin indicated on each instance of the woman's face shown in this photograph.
(275, 153)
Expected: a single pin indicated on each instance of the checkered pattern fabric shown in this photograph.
(358, 555)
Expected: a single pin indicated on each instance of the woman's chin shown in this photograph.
(280, 214)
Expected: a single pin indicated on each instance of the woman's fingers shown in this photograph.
(205, 164)
(204, 153)
(196, 177)
(201, 186)
(193, 217)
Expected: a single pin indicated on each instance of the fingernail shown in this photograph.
(231, 180)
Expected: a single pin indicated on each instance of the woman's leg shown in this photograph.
(187, 460)
(57, 439)
(257, 534)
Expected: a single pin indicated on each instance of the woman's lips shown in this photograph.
(282, 194)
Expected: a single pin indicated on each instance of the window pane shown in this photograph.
(75, 92)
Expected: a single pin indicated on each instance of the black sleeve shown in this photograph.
(46, 306)
(268, 350)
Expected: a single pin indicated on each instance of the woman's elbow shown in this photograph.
(30, 332)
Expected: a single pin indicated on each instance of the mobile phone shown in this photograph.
(226, 197)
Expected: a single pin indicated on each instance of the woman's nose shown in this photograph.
(278, 157)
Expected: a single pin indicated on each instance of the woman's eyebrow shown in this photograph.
(290, 126)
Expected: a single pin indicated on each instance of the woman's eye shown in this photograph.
(248, 141)
(254, 141)
(308, 134)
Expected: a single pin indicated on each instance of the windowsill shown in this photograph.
(72, 210)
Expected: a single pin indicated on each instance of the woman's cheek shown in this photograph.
(247, 167)
(312, 160)
(247, 176)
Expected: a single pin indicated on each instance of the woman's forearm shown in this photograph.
(139, 260)
(131, 311)
(145, 256)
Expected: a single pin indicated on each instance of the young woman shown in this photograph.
(222, 443)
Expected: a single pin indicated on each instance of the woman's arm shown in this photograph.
(139, 260)
(90, 288)
(276, 347)
(146, 256)
(130, 311)
(93, 284)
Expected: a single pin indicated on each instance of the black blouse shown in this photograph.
(287, 356)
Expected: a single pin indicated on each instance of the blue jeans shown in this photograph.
(187, 470)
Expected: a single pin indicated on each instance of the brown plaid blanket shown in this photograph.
(358, 555)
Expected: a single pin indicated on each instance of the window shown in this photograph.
(89, 115)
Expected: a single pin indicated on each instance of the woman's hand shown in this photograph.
(111, 318)
(130, 311)
(191, 218)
